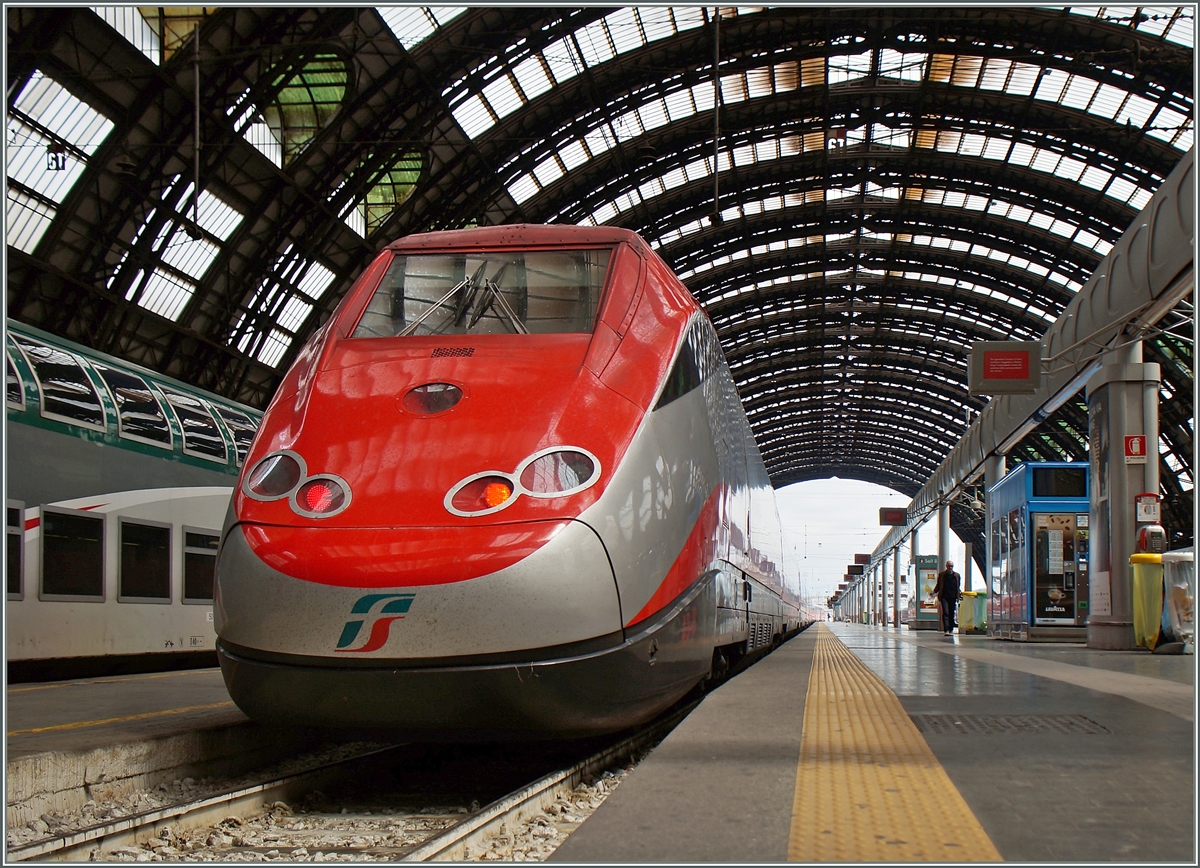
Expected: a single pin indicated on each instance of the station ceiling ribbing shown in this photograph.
(880, 187)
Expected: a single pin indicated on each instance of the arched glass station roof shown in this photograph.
(854, 194)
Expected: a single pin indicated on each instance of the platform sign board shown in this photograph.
(894, 516)
(1005, 367)
(927, 607)
(862, 559)
(854, 570)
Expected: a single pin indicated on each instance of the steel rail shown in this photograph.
(210, 810)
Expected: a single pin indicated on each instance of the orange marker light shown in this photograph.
(496, 493)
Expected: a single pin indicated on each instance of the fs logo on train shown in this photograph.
(381, 610)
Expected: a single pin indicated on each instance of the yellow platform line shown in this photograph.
(146, 715)
(868, 788)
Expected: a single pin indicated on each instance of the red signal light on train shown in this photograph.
(321, 497)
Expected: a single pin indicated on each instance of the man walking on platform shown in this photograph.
(948, 593)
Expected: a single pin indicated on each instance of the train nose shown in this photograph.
(415, 593)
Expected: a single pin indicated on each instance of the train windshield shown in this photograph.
(504, 292)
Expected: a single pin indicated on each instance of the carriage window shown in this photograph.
(201, 436)
(506, 292)
(241, 426)
(67, 393)
(72, 555)
(139, 414)
(15, 564)
(199, 566)
(145, 562)
(14, 394)
(685, 373)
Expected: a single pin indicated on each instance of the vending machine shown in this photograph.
(1038, 553)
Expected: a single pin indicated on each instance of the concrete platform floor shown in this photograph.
(1060, 753)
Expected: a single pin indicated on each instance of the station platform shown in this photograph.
(866, 744)
(71, 741)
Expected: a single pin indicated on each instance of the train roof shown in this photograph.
(515, 234)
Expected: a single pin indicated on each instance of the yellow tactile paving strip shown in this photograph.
(868, 788)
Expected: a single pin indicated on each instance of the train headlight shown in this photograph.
(431, 398)
(558, 472)
(480, 494)
(554, 472)
(275, 476)
(321, 496)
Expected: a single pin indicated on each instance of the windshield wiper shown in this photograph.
(412, 326)
(490, 289)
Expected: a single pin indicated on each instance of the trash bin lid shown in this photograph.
(1146, 558)
(1184, 556)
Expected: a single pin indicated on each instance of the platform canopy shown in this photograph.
(878, 188)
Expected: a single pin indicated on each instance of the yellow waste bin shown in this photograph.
(971, 612)
(1147, 598)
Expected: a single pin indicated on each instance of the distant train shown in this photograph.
(117, 483)
(508, 490)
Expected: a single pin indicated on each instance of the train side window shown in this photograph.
(201, 436)
(67, 392)
(15, 563)
(139, 415)
(72, 555)
(145, 562)
(241, 426)
(199, 564)
(684, 376)
(14, 394)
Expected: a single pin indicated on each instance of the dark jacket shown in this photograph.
(948, 585)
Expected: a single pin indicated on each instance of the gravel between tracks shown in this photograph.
(177, 792)
(302, 835)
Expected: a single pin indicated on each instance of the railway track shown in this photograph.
(403, 802)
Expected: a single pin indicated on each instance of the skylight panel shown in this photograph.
(1137, 110)
(216, 218)
(412, 25)
(653, 115)
(130, 23)
(593, 42)
(316, 281)
(1052, 85)
(27, 152)
(548, 171)
(845, 68)
(190, 255)
(563, 60)
(409, 24)
(574, 155)
(531, 76)
(262, 137)
(1079, 92)
(27, 220)
(502, 96)
(1182, 32)
(165, 294)
(52, 107)
(624, 29)
(273, 348)
(1167, 125)
(656, 21)
(473, 116)
(688, 17)
(523, 189)
(294, 312)
(1108, 101)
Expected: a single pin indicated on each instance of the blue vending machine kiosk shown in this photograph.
(1038, 553)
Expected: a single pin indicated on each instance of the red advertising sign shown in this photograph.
(862, 559)
(896, 516)
(1135, 449)
(1006, 365)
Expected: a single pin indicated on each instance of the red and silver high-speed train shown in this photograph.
(507, 490)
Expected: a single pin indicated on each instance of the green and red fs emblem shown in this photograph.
(381, 610)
